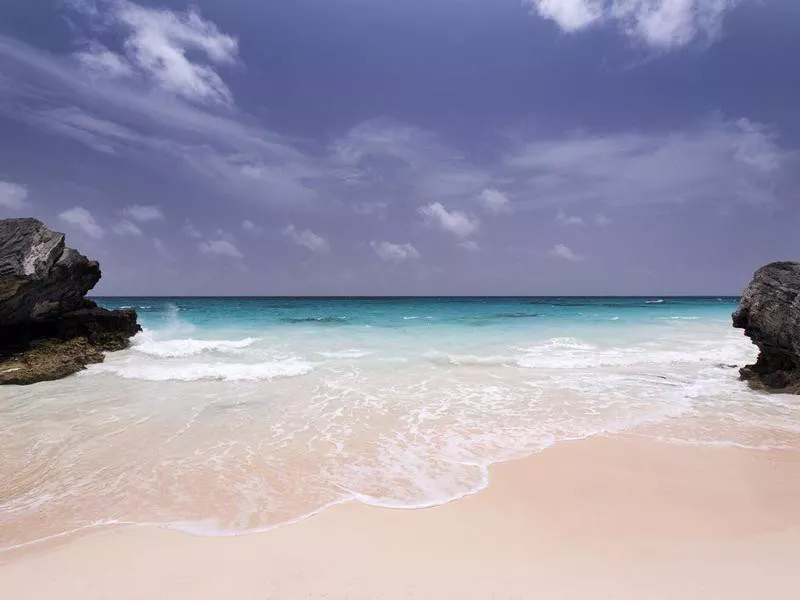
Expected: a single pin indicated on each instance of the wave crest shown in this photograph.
(208, 371)
(181, 348)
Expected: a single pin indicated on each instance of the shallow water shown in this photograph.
(233, 415)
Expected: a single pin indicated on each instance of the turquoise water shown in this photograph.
(230, 415)
(248, 314)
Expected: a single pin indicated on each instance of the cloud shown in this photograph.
(377, 208)
(190, 230)
(565, 219)
(395, 161)
(97, 60)
(82, 219)
(734, 162)
(143, 214)
(562, 251)
(602, 220)
(410, 146)
(97, 133)
(658, 23)
(227, 150)
(255, 174)
(126, 228)
(164, 48)
(394, 252)
(307, 239)
(470, 245)
(456, 222)
(251, 227)
(570, 15)
(670, 23)
(162, 250)
(494, 200)
(13, 196)
(220, 248)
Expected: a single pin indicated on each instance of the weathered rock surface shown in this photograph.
(769, 313)
(48, 329)
(39, 276)
(49, 360)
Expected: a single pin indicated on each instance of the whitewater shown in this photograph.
(232, 415)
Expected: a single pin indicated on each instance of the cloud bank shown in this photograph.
(659, 23)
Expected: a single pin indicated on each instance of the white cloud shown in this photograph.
(671, 23)
(570, 15)
(190, 230)
(125, 227)
(717, 161)
(99, 61)
(174, 51)
(565, 252)
(470, 245)
(220, 248)
(456, 222)
(143, 214)
(494, 200)
(251, 227)
(97, 133)
(659, 23)
(602, 220)
(394, 252)
(13, 196)
(411, 146)
(566, 219)
(82, 219)
(114, 117)
(307, 238)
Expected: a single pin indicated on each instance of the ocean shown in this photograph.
(234, 415)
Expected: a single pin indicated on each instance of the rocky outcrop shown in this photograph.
(769, 313)
(48, 329)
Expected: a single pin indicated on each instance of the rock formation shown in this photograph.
(48, 329)
(769, 313)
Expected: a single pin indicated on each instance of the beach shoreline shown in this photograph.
(618, 516)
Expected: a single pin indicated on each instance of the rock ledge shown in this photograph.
(769, 313)
(48, 329)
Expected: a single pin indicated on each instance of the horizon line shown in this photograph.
(397, 297)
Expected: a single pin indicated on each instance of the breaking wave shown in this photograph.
(218, 371)
(189, 347)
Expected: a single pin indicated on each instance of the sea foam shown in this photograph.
(218, 371)
(177, 348)
(393, 412)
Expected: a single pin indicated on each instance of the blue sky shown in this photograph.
(425, 147)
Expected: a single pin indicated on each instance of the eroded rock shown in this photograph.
(48, 329)
(769, 313)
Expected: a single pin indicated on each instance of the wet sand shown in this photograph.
(608, 517)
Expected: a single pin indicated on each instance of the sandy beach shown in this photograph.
(607, 517)
(453, 300)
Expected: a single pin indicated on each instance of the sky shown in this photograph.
(423, 147)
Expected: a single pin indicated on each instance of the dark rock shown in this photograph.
(48, 329)
(769, 313)
(39, 276)
(48, 360)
